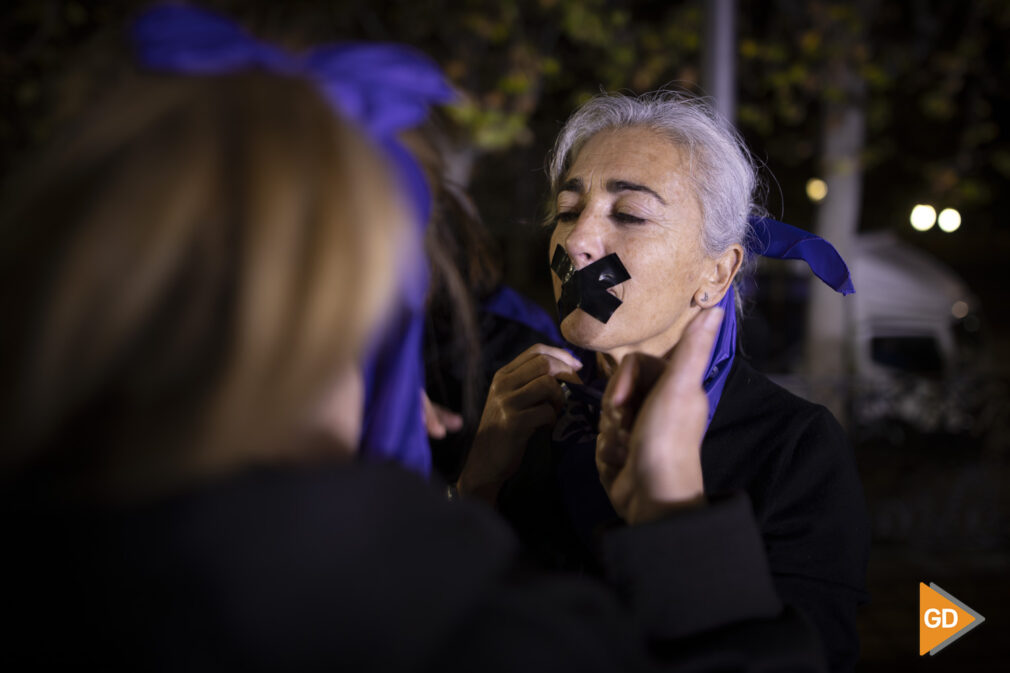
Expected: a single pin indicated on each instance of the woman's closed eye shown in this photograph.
(621, 217)
(567, 216)
(626, 218)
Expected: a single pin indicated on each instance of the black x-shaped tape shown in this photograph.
(586, 288)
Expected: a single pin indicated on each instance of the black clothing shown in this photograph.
(794, 460)
(502, 339)
(366, 568)
(789, 455)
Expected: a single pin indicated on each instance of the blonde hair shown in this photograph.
(186, 272)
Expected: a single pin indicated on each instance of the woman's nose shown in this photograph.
(585, 242)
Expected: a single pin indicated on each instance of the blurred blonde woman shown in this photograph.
(191, 278)
(177, 263)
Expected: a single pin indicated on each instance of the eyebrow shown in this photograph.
(613, 186)
(573, 185)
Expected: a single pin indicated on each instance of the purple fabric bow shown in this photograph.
(385, 89)
(776, 240)
(779, 240)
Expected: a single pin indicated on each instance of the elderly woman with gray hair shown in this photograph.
(653, 215)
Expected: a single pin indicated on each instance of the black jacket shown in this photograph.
(369, 569)
(788, 455)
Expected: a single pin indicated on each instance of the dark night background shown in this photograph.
(936, 100)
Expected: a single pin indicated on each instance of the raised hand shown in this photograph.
(525, 394)
(652, 422)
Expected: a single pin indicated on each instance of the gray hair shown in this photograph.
(722, 170)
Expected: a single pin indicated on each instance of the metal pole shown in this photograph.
(719, 58)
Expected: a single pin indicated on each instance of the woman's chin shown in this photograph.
(584, 331)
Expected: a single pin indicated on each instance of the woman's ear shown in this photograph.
(721, 272)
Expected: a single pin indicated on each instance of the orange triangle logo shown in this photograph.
(942, 619)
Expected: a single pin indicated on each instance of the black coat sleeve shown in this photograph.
(694, 594)
(369, 569)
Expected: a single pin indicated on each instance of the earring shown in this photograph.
(704, 298)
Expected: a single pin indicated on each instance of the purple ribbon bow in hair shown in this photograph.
(385, 89)
(776, 240)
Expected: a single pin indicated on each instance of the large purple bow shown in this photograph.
(779, 241)
(385, 89)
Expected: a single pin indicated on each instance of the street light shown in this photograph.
(923, 217)
(949, 220)
(817, 189)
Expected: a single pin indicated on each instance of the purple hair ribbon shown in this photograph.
(385, 89)
(775, 240)
(779, 240)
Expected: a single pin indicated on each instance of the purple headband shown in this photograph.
(385, 89)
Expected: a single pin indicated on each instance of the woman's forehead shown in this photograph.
(635, 155)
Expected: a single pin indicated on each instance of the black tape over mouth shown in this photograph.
(586, 288)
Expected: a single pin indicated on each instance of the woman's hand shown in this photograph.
(438, 420)
(652, 422)
(524, 395)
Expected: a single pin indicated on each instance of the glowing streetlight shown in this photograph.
(949, 220)
(817, 189)
(923, 217)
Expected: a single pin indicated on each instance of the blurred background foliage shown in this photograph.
(932, 75)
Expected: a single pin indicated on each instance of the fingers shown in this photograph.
(431, 422)
(690, 358)
(534, 368)
(531, 378)
(612, 449)
(538, 416)
(635, 376)
(542, 350)
(541, 389)
(619, 387)
(615, 426)
(452, 421)
(438, 420)
(607, 472)
(616, 481)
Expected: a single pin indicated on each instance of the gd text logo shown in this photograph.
(942, 619)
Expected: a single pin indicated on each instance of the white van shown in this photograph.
(913, 321)
(910, 316)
